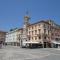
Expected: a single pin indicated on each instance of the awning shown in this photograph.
(55, 42)
(32, 42)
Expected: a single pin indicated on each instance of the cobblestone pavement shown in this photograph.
(17, 53)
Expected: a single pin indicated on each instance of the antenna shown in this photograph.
(27, 12)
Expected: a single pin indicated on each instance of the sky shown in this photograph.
(12, 12)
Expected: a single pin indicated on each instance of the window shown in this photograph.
(32, 38)
(45, 37)
(29, 38)
(32, 32)
(35, 26)
(48, 27)
(35, 31)
(39, 25)
(52, 34)
(39, 30)
(56, 39)
(26, 40)
(48, 32)
(32, 27)
(58, 35)
(35, 38)
(39, 37)
(44, 30)
(44, 25)
(29, 28)
(29, 32)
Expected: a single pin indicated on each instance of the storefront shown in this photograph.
(1, 43)
(33, 44)
(56, 44)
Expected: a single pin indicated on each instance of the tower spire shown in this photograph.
(26, 17)
(25, 28)
(27, 12)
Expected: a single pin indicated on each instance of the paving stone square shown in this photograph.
(17, 53)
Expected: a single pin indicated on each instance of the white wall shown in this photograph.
(11, 37)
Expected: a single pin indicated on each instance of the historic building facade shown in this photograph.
(13, 37)
(44, 33)
(2, 38)
(55, 35)
(39, 32)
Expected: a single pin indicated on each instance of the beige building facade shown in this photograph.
(43, 32)
(39, 32)
(2, 38)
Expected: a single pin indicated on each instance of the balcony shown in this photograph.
(28, 35)
(38, 35)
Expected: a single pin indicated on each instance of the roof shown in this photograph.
(3, 31)
(20, 29)
(39, 22)
(55, 28)
(14, 30)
